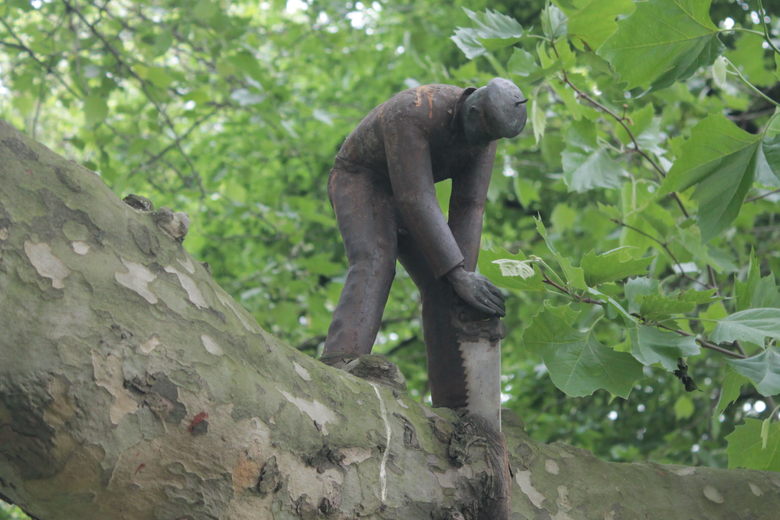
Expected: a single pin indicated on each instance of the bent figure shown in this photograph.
(382, 190)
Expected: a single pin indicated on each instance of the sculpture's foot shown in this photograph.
(374, 368)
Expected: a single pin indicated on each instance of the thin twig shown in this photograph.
(143, 83)
(621, 120)
(666, 249)
(763, 195)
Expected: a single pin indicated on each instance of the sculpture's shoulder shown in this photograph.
(426, 104)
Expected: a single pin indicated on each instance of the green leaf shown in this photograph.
(593, 21)
(751, 325)
(522, 63)
(732, 384)
(763, 370)
(719, 72)
(575, 276)
(719, 159)
(756, 291)
(493, 31)
(749, 56)
(553, 22)
(497, 266)
(770, 147)
(637, 288)
(650, 345)
(663, 41)
(538, 120)
(746, 450)
(612, 266)
(683, 407)
(95, 109)
(578, 363)
(589, 170)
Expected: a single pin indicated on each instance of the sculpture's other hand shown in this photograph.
(477, 291)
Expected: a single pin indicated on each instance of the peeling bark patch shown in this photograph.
(211, 345)
(228, 302)
(713, 495)
(388, 434)
(3, 233)
(684, 472)
(80, 248)
(523, 479)
(137, 279)
(318, 412)
(302, 372)
(19, 149)
(244, 474)
(150, 344)
(108, 374)
(755, 489)
(354, 455)
(47, 265)
(551, 466)
(187, 264)
(189, 286)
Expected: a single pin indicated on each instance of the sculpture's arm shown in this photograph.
(411, 177)
(467, 203)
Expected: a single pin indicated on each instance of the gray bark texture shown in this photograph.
(132, 387)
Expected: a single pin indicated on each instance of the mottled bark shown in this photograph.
(133, 387)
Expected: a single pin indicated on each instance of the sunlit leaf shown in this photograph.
(683, 407)
(95, 109)
(593, 21)
(746, 450)
(493, 31)
(490, 265)
(663, 41)
(763, 370)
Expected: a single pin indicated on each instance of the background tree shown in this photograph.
(234, 112)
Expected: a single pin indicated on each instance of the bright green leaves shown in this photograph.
(578, 363)
(763, 370)
(593, 21)
(719, 159)
(611, 266)
(493, 31)
(747, 448)
(586, 165)
(663, 41)
(95, 109)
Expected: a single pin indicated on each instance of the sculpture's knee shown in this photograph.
(372, 267)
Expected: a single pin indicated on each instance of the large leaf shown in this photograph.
(612, 265)
(650, 345)
(763, 370)
(751, 325)
(574, 276)
(663, 41)
(732, 385)
(746, 448)
(578, 363)
(756, 291)
(586, 165)
(493, 31)
(719, 159)
(593, 21)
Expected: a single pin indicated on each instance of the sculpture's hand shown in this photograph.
(477, 291)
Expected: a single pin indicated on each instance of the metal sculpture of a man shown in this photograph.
(382, 190)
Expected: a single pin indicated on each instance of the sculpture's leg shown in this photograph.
(367, 221)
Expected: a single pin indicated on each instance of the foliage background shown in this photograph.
(233, 111)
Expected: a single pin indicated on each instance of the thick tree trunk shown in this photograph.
(133, 387)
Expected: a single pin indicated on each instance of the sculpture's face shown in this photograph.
(494, 111)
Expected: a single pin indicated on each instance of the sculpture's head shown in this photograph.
(494, 111)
